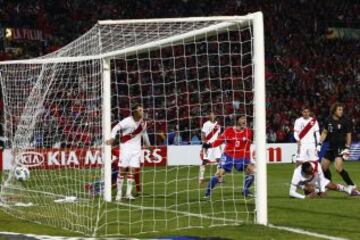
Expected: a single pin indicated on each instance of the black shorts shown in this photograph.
(331, 154)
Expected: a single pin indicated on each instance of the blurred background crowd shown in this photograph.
(312, 47)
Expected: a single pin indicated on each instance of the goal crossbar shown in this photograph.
(184, 37)
(237, 19)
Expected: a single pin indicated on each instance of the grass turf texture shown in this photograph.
(337, 215)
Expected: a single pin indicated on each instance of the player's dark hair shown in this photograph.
(240, 116)
(135, 107)
(304, 107)
(305, 167)
(334, 107)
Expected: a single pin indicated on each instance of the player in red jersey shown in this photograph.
(236, 154)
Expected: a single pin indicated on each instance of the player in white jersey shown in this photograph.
(306, 134)
(209, 133)
(131, 129)
(310, 178)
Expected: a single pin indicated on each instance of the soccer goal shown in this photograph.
(59, 110)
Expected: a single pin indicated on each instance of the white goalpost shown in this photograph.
(59, 110)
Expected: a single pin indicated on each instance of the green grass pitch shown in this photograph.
(337, 215)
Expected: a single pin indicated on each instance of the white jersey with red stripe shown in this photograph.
(299, 180)
(208, 127)
(211, 154)
(311, 136)
(127, 126)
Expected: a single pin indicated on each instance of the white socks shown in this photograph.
(130, 181)
(202, 172)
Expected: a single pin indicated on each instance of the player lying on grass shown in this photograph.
(131, 129)
(97, 187)
(236, 154)
(310, 178)
(209, 133)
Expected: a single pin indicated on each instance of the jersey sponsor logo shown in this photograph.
(30, 159)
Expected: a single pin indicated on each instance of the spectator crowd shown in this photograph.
(303, 65)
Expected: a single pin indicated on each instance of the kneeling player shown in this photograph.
(236, 154)
(209, 133)
(310, 178)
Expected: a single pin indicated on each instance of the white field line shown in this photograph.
(180, 212)
(304, 232)
(46, 237)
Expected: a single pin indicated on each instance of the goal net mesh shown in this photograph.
(179, 71)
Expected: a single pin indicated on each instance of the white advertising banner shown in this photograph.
(171, 156)
(190, 155)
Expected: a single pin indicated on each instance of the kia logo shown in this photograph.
(30, 159)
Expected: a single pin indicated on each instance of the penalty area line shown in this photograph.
(304, 232)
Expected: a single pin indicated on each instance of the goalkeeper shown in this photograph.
(337, 131)
(236, 154)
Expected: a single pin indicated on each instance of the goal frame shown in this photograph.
(259, 94)
(226, 22)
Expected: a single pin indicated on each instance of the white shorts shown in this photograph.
(212, 154)
(307, 153)
(129, 158)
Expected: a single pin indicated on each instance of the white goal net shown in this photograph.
(59, 110)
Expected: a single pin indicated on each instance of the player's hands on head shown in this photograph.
(206, 145)
(309, 188)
